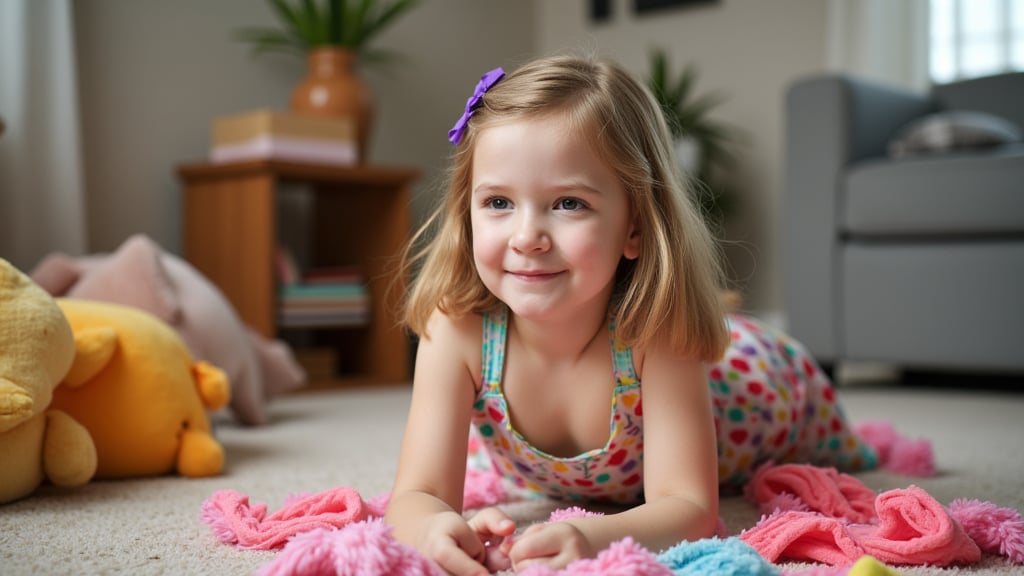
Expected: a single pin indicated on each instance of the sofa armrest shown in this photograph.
(832, 121)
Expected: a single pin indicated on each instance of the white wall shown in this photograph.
(155, 73)
(880, 40)
(749, 50)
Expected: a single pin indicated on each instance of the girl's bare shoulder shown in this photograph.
(443, 326)
(459, 338)
(650, 361)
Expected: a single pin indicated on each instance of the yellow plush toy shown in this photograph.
(37, 349)
(137, 390)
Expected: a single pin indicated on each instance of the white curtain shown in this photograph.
(881, 40)
(42, 204)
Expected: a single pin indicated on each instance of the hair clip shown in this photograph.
(489, 79)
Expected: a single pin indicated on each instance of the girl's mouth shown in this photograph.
(532, 275)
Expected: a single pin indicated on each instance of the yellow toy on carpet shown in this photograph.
(870, 566)
(37, 349)
(139, 393)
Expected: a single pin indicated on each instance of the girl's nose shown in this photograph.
(529, 236)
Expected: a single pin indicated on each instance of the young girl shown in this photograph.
(568, 308)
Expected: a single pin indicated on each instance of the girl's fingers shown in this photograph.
(461, 565)
(464, 558)
(492, 522)
(532, 545)
(555, 545)
(495, 529)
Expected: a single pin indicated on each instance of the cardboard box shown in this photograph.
(249, 125)
(277, 135)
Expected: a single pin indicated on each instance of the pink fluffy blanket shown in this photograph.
(336, 533)
(815, 514)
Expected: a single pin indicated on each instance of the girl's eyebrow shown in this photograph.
(569, 186)
(578, 185)
(489, 188)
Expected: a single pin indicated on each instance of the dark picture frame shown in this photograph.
(600, 10)
(644, 6)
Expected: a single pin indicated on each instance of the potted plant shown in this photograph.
(340, 24)
(701, 142)
(333, 35)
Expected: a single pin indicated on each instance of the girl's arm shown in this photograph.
(425, 509)
(680, 474)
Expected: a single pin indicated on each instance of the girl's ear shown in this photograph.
(632, 249)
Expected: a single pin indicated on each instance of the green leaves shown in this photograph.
(307, 24)
(685, 114)
(688, 115)
(267, 40)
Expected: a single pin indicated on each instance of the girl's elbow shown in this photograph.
(708, 525)
(705, 521)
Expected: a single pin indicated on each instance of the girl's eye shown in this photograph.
(497, 203)
(570, 204)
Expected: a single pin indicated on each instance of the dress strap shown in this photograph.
(493, 352)
(622, 360)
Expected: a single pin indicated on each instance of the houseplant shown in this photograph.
(702, 144)
(340, 24)
(334, 35)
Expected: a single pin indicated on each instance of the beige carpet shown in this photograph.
(325, 439)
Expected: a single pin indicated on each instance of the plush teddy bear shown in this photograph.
(137, 390)
(37, 349)
(142, 275)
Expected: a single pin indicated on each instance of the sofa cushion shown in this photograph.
(969, 194)
(951, 131)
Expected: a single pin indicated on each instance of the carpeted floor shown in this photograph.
(319, 440)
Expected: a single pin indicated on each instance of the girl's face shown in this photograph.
(550, 219)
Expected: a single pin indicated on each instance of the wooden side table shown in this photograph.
(361, 217)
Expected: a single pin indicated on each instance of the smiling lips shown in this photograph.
(533, 275)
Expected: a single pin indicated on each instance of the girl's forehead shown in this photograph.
(541, 157)
(561, 119)
(538, 147)
(536, 134)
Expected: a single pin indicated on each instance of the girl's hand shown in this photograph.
(555, 545)
(495, 530)
(453, 544)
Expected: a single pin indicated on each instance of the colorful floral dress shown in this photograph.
(770, 401)
(613, 472)
(773, 402)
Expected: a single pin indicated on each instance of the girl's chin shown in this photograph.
(553, 310)
(554, 305)
(534, 308)
(532, 311)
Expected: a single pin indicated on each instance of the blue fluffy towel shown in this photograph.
(729, 557)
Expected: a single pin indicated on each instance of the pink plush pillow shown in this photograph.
(142, 275)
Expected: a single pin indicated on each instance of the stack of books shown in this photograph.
(325, 297)
(332, 296)
(276, 135)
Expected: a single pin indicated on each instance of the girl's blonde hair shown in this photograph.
(669, 294)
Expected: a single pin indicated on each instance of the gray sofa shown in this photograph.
(919, 261)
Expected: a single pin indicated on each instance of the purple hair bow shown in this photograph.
(489, 79)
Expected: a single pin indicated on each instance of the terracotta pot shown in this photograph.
(333, 88)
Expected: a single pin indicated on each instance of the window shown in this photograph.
(972, 38)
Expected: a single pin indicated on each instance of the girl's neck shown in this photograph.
(561, 340)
